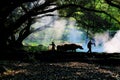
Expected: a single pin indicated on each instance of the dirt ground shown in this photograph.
(16, 70)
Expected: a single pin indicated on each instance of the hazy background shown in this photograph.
(65, 31)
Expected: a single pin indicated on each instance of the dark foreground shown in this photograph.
(61, 66)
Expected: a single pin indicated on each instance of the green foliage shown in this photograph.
(91, 15)
(35, 48)
(90, 21)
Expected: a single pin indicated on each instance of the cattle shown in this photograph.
(69, 47)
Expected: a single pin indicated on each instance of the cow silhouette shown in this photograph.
(69, 47)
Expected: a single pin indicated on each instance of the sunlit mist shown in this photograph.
(113, 45)
(62, 31)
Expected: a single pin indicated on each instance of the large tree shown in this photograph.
(17, 16)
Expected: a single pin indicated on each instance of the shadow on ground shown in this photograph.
(60, 65)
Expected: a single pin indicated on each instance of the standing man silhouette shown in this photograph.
(53, 46)
(89, 45)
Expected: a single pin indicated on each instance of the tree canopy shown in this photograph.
(91, 15)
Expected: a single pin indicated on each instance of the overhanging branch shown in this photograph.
(78, 6)
(34, 13)
(112, 4)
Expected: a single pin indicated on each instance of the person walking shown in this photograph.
(89, 45)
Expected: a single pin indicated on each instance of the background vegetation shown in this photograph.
(93, 16)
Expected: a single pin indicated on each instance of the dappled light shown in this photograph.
(61, 70)
(60, 39)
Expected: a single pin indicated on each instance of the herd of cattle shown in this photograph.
(68, 47)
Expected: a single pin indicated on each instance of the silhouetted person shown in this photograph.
(53, 46)
(89, 45)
